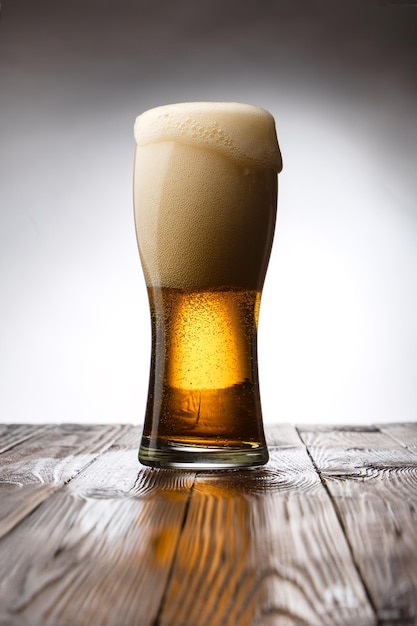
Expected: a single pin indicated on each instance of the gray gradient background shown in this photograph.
(338, 330)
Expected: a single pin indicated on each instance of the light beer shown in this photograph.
(205, 192)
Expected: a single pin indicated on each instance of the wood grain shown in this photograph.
(99, 550)
(34, 468)
(13, 434)
(405, 434)
(325, 534)
(263, 547)
(372, 479)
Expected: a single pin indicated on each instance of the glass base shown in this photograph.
(174, 455)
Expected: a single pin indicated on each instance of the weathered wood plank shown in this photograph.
(250, 548)
(405, 434)
(372, 480)
(32, 470)
(98, 551)
(13, 434)
(264, 547)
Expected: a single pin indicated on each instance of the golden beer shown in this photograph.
(205, 205)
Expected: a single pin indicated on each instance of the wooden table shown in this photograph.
(325, 534)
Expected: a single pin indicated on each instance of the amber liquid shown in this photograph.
(203, 391)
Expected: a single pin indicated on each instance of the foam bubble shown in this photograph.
(243, 132)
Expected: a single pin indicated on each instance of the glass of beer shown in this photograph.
(205, 195)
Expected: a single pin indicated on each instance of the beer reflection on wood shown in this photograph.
(255, 550)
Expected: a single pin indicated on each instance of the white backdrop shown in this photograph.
(338, 333)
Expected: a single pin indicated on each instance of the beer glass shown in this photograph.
(205, 195)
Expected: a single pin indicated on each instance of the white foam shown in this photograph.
(241, 131)
(205, 194)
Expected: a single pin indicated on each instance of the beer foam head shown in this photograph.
(243, 132)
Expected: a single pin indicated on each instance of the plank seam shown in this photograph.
(342, 526)
(123, 429)
(157, 620)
